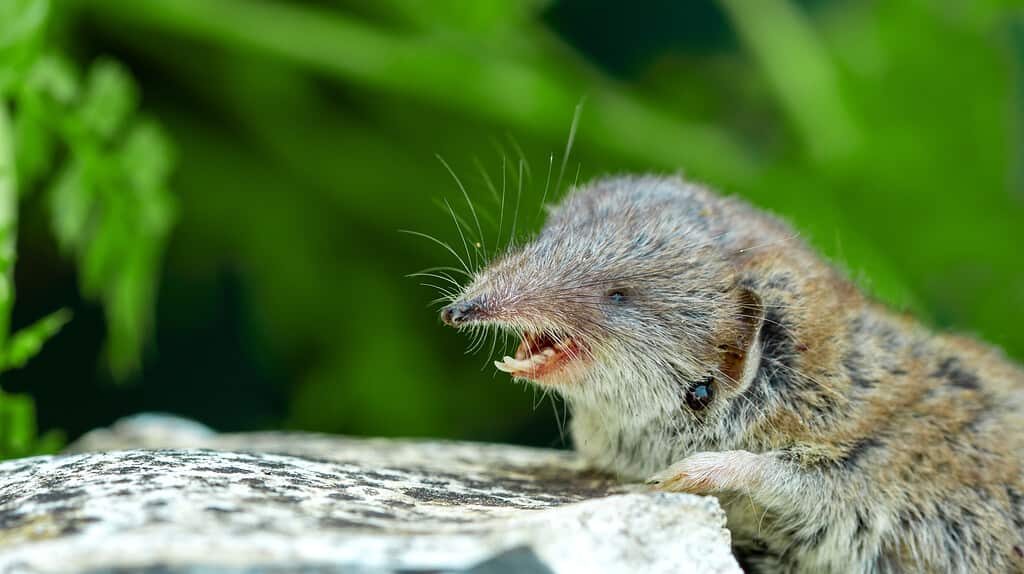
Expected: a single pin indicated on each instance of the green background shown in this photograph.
(306, 136)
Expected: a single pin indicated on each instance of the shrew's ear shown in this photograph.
(740, 348)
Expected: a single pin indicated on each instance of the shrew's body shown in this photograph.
(701, 345)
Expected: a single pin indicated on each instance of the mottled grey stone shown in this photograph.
(199, 502)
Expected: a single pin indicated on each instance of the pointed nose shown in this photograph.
(458, 313)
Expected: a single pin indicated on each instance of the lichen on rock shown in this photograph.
(276, 502)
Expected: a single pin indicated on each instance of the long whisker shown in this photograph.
(568, 145)
(439, 242)
(458, 226)
(446, 268)
(437, 276)
(442, 299)
(519, 197)
(486, 177)
(441, 289)
(522, 156)
(501, 217)
(786, 239)
(547, 182)
(462, 188)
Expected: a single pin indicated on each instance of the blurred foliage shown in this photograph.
(887, 132)
(103, 172)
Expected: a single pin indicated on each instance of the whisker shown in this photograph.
(437, 276)
(568, 145)
(459, 227)
(547, 182)
(444, 299)
(439, 288)
(439, 242)
(486, 177)
(446, 268)
(462, 188)
(778, 241)
(440, 202)
(522, 156)
(519, 197)
(501, 218)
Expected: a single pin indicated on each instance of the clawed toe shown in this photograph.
(704, 472)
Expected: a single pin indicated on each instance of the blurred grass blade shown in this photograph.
(17, 424)
(800, 71)
(8, 222)
(474, 18)
(530, 96)
(27, 342)
(18, 429)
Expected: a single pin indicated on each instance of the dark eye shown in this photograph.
(616, 295)
(700, 394)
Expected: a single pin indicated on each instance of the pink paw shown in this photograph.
(706, 472)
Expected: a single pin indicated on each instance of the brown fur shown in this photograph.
(859, 440)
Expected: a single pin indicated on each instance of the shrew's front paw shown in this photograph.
(707, 472)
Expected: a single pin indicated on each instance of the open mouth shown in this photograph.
(540, 355)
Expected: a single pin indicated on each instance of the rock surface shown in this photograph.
(183, 499)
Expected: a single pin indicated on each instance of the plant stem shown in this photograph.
(8, 223)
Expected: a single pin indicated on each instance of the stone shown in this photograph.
(159, 494)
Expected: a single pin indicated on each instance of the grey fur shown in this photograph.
(823, 435)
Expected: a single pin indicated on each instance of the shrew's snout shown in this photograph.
(461, 312)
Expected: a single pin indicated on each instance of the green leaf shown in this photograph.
(49, 89)
(112, 211)
(71, 202)
(27, 342)
(21, 28)
(34, 147)
(103, 250)
(129, 307)
(147, 157)
(52, 82)
(109, 99)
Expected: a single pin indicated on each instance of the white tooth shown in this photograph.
(508, 359)
(510, 365)
(522, 365)
(503, 367)
(548, 352)
(538, 359)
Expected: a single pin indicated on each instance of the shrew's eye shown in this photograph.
(700, 394)
(617, 295)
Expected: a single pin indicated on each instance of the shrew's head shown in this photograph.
(628, 294)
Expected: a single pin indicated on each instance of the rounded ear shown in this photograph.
(740, 352)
